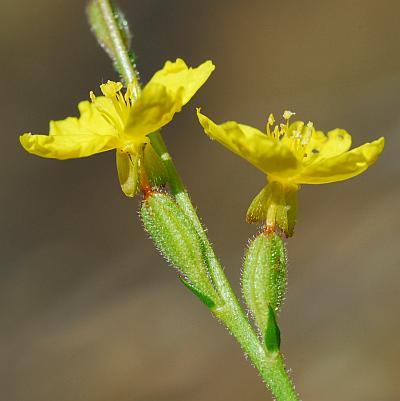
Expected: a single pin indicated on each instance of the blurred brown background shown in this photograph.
(89, 310)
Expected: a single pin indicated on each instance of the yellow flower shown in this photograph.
(121, 121)
(291, 155)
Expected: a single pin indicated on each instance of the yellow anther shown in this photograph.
(111, 88)
(287, 114)
(271, 119)
(270, 123)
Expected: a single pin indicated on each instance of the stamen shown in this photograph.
(119, 105)
(128, 93)
(111, 88)
(271, 119)
(109, 118)
(122, 103)
(308, 133)
(270, 123)
(296, 138)
(287, 114)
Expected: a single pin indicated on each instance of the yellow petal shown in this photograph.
(168, 90)
(334, 143)
(90, 120)
(251, 144)
(67, 146)
(177, 75)
(128, 172)
(343, 166)
(154, 108)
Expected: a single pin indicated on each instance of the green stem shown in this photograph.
(270, 365)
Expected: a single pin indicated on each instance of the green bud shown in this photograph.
(101, 31)
(177, 240)
(264, 277)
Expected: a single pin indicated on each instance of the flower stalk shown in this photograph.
(227, 308)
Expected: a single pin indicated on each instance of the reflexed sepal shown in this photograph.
(264, 277)
(154, 167)
(276, 204)
(272, 337)
(177, 240)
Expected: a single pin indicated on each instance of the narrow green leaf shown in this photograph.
(272, 333)
(203, 297)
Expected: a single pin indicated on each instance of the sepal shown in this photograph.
(154, 167)
(128, 166)
(276, 204)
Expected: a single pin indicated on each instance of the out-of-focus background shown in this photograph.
(90, 311)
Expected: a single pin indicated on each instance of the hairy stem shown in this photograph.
(270, 365)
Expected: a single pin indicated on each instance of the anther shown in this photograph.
(287, 114)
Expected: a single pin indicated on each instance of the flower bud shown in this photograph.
(264, 283)
(101, 31)
(177, 240)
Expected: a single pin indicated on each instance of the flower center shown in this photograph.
(296, 135)
(116, 112)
